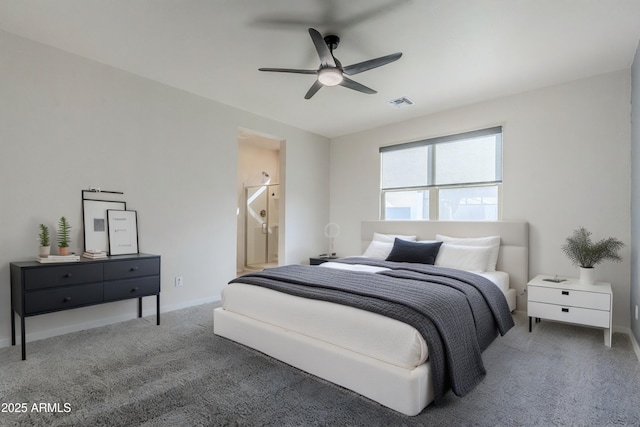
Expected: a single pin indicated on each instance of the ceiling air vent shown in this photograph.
(401, 102)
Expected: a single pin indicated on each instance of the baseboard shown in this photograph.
(632, 337)
(35, 336)
(634, 343)
(174, 307)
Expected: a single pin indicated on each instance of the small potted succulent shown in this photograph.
(45, 244)
(586, 254)
(64, 238)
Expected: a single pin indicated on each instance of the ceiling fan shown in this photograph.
(331, 72)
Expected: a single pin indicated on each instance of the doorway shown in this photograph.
(260, 207)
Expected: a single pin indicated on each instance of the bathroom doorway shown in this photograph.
(260, 207)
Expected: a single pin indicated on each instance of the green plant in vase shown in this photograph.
(586, 254)
(64, 238)
(45, 244)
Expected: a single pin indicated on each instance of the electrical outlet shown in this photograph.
(179, 281)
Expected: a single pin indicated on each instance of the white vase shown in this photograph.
(587, 276)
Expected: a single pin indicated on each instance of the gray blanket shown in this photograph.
(489, 306)
(443, 313)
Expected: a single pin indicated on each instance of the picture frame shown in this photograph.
(94, 222)
(122, 228)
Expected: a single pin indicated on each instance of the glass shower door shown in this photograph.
(261, 246)
(273, 213)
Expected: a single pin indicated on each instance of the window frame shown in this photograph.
(434, 189)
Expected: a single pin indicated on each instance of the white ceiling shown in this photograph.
(455, 52)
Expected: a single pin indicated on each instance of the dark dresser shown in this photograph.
(44, 288)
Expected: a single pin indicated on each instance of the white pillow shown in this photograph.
(491, 241)
(378, 250)
(470, 258)
(389, 238)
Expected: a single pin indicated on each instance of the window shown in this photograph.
(455, 177)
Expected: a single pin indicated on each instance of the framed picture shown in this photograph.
(123, 232)
(94, 221)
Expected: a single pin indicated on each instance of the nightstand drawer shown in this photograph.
(62, 298)
(132, 268)
(582, 316)
(123, 289)
(570, 297)
(62, 275)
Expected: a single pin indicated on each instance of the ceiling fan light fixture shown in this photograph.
(330, 76)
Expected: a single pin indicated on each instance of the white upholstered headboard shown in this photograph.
(514, 249)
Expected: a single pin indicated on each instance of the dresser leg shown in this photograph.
(139, 307)
(158, 309)
(529, 323)
(607, 337)
(24, 338)
(13, 327)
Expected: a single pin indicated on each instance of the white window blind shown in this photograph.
(450, 177)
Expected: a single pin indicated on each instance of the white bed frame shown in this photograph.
(407, 391)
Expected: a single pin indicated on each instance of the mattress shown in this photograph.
(360, 331)
(499, 278)
(363, 332)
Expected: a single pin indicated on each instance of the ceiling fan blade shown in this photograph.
(288, 70)
(347, 82)
(313, 89)
(372, 63)
(326, 59)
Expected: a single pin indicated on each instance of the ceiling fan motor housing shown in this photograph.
(332, 41)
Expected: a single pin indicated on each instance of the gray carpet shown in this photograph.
(179, 374)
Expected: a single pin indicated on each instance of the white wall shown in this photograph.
(566, 164)
(67, 123)
(635, 195)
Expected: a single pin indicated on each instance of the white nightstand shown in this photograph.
(571, 302)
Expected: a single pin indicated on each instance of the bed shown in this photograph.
(387, 361)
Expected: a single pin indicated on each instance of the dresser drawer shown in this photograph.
(62, 298)
(581, 316)
(131, 288)
(131, 268)
(570, 297)
(61, 275)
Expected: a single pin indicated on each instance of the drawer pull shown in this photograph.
(565, 292)
(134, 269)
(565, 310)
(66, 299)
(66, 276)
(134, 289)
